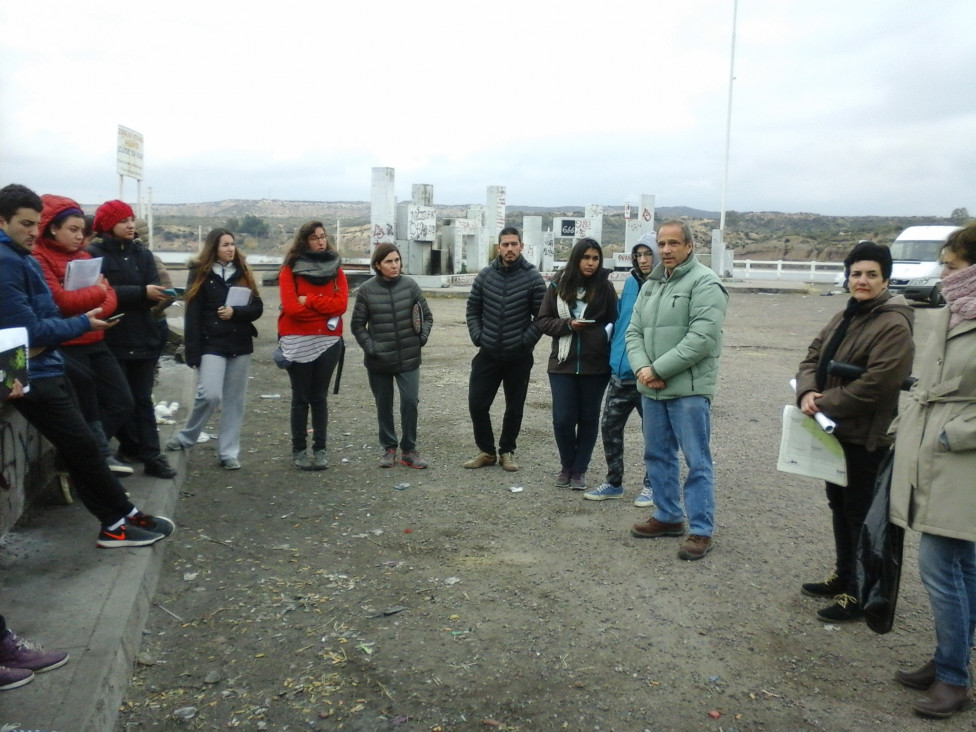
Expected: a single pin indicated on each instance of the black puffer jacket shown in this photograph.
(502, 308)
(204, 331)
(382, 322)
(129, 267)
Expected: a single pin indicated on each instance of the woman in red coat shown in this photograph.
(98, 381)
(314, 296)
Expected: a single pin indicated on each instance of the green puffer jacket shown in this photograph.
(676, 329)
(382, 322)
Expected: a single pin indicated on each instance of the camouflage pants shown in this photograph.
(621, 400)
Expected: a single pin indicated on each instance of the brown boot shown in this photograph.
(921, 678)
(943, 700)
(481, 460)
(652, 528)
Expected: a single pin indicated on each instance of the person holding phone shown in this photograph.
(219, 341)
(134, 341)
(578, 312)
(98, 381)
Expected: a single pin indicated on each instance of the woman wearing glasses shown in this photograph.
(314, 295)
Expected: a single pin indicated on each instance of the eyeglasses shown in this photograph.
(318, 237)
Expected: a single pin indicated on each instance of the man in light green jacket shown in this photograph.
(673, 344)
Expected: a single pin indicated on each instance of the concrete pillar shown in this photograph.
(640, 224)
(548, 251)
(382, 210)
(484, 251)
(532, 238)
(495, 213)
(593, 213)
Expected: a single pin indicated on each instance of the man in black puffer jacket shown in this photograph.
(504, 302)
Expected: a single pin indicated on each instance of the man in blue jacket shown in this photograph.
(50, 404)
(622, 395)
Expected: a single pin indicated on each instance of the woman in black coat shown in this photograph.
(222, 303)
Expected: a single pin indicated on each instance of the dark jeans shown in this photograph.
(99, 384)
(487, 375)
(139, 437)
(408, 384)
(310, 390)
(50, 406)
(849, 505)
(576, 402)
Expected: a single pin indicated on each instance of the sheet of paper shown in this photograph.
(238, 297)
(805, 449)
(82, 273)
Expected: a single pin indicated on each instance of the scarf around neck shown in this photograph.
(317, 267)
(959, 290)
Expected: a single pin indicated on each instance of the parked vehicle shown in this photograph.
(916, 272)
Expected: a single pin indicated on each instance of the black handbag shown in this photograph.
(878, 555)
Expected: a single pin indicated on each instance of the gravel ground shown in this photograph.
(332, 601)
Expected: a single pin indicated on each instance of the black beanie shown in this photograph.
(868, 250)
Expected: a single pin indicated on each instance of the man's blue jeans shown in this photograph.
(685, 423)
(948, 571)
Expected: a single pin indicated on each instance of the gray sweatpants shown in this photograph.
(220, 381)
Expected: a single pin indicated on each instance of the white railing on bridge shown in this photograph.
(781, 269)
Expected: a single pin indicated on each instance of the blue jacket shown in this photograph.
(26, 302)
(619, 364)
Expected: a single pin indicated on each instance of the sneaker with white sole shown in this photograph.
(155, 524)
(603, 492)
(126, 535)
(17, 653)
(645, 499)
(173, 444)
(11, 678)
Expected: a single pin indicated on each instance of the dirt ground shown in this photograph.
(332, 601)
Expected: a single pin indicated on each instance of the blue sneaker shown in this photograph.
(645, 499)
(603, 492)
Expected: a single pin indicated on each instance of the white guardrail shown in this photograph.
(803, 271)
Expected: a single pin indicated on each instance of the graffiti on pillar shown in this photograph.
(574, 228)
(646, 214)
(383, 234)
(421, 223)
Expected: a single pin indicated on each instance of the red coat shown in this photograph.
(321, 303)
(54, 262)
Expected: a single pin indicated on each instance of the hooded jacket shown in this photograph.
(879, 340)
(676, 329)
(502, 308)
(26, 302)
(129, 267)
(935, 444)
(383, 324)
(205, 332)
(54, 263)
(619, 363)
(589, 349)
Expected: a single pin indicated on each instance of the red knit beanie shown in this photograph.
(110, 213)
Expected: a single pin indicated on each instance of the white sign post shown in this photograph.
(129, 161)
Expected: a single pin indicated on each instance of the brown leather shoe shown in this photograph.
(507, 461)
(921, 678)
(481, 460)
(695, 547)
(652, 528)
(943, 700)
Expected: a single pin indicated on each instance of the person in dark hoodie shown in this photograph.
(622, 394)
(578, 311)
(500, 313)
(873, 333)
(219, 340)
(50, 405)
(130, 269)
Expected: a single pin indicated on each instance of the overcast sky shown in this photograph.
(857, 107)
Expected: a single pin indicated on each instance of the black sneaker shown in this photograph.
(160, 467)
(126, 535)
(830, 587)
(844, 610)
(155, 524)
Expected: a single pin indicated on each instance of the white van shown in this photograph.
(916, 272)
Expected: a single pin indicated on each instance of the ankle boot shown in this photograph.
(921, 678)
(943, 700)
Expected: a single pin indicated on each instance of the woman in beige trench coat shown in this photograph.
(934, 482)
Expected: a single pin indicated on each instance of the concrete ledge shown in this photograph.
(63, 592)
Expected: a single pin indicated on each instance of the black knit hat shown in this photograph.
(868, 250)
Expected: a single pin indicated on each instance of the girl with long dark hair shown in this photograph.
(578, 311)
(222, 303)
